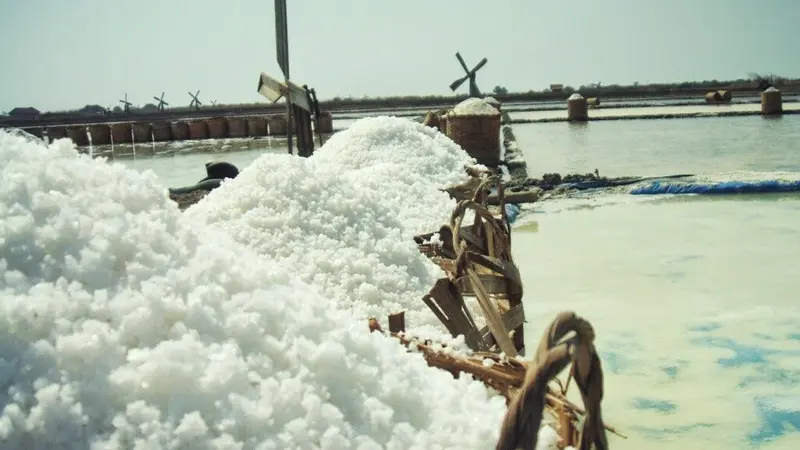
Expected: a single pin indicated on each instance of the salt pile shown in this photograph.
(492, 101)
(575, 96)
(343, 220)
(124, 325)
(474, 107)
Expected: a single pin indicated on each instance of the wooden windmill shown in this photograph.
(300, 103)
(195, 103)
(126, 105)
(161, 102)
(470, 75)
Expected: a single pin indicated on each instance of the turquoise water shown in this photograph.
(695, 299)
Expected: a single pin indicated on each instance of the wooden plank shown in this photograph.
(448, 265)
(397, 322)
(492, 284)
(446, 303)
(506, 268)
(512, 320)
(473, 240)
(515, 197)
(493, 319)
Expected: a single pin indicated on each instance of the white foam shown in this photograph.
(125, 325)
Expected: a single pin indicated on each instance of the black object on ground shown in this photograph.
(215, 173)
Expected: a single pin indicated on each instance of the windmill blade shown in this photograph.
(455, 84)
(273, 89)
(165, 103)
(157, 99)
(461, 60)
(270, 87)
(480, 64)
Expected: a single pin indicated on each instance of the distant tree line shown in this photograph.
(753, 82)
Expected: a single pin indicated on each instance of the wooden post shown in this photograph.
(397, 322)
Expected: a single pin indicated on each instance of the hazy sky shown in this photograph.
(61, 54)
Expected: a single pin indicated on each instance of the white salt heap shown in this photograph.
(124, 325)
(492, 101)
(575, 96)
(474, 107)
(344, 219)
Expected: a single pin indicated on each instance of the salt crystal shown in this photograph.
(474, 107)
(229, 329)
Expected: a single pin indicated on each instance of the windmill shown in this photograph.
(213, 103)
(300, 102)
(161, 102)
(470, 75)
(126, 104)
(195, 102)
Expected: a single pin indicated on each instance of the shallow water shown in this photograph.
(700, 108)
(182, 163)
(662, 147)
(694, 299)
(694, 302)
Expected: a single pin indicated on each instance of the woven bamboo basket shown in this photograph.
(101, 134)
(577, 108)
(78, 135)
(237, 127)
(179, 131)
(162, 131)
(771, 102)
(477, 135)
(713, 97)
(257, 126)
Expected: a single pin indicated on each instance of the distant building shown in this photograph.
(92, 110)
(24, 113)
(556, 87)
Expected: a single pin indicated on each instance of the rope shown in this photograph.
(524, 417)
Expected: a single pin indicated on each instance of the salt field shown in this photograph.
(662, 147)
(652, 110)
(692, 297)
